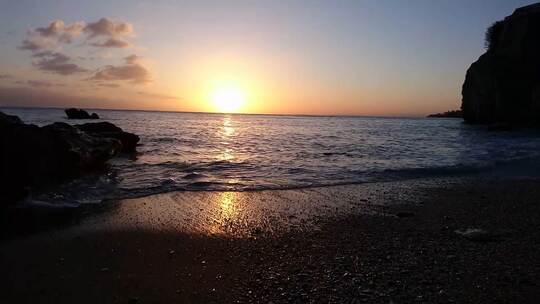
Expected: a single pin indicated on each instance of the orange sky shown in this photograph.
(312, 57)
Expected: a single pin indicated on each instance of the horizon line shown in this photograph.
(223, 113)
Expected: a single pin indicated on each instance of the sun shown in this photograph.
(228, 99)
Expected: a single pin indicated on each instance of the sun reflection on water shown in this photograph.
(228, 129)
(227, 133)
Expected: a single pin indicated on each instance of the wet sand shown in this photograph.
(381, 242)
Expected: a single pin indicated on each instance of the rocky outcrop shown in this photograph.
(448, 114)
(9, 119)
(73, 113)
(503, 85)
(36, 157)
(108, 130)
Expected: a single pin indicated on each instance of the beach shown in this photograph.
(268, 152)
(391, 242)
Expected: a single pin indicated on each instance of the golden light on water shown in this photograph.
(228, 129)
(227, 134)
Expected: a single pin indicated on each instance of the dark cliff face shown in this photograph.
(503, 85)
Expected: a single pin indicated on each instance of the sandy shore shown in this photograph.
(384, 242)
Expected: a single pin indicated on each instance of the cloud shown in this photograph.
(108, 28)
(54, 28)
(45, 45)
(132, 71)
(58, 29)
(30, 83)
(158, 96)
(132, 59)
(72, 31)
(109, 85)
(111, 43)
(43, 54)
(27, 96)
(39, 83)
(35, 45)
(57, 63)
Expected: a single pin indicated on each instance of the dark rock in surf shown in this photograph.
(503, 85)
(6, 119)
(36, 157)
(74, 113)
(108, 130)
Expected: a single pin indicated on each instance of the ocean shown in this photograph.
(202, 151)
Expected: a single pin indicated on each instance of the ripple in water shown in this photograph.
(194, 151)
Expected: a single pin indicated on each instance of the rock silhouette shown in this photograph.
(9, 119)
(108, 130)
(503, 85)
(74, 113)
(36, 157)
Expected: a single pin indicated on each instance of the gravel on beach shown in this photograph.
(414, 248)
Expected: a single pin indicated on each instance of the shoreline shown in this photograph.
(47, 217)
(383, 242)
(518, 168)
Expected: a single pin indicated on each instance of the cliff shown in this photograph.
(503, 85)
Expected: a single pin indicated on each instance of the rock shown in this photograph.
(108, 130)
(99, 127)
(37, 157)
(503, 85)
(449, 114)
(74, 113)
(6, 119)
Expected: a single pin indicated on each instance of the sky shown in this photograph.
(363, 57)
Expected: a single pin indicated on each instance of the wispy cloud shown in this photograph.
(111, 43)
(64, 33)
(113, 31)
(26, 96)
(45, 44)
(132, 71)
(35, 45)
(39, 83)
(108, 28)
(158, 96)
(108, 85)
(57, 63)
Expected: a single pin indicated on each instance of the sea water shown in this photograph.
(201, 151)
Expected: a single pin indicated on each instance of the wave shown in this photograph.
(195, 181)
(182, 152)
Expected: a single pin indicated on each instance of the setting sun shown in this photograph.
(302, 151)
(228, 99)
